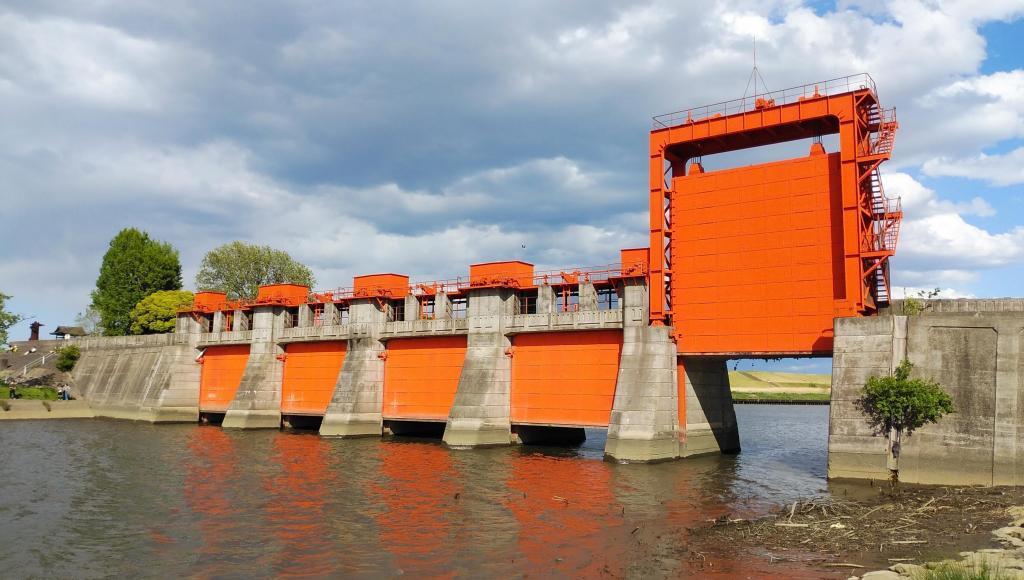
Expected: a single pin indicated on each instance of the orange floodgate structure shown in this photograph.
(753, 261)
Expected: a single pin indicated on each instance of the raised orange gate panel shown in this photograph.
(310, 372)
(223, 367)
(565, 378)
(421, 376)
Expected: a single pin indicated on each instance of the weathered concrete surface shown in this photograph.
(710, 417)
(645, 410)
(976, 356)
(149, 378)
(357, 404)
(480, 413)
(257, 402)
(22, 409)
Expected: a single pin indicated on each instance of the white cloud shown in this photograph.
(1001, 169)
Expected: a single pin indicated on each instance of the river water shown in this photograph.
(96, 498)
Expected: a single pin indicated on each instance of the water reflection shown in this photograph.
(121, 498)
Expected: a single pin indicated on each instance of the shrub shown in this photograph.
(67, 356)
(897, 405)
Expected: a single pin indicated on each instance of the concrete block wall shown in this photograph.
(150, 378)
(978, 358)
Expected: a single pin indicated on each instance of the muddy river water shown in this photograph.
(83, 499)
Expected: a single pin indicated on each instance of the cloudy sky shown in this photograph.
(418, 137)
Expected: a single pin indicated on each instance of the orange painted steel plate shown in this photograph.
(565, 378)
(223, 367)
(759, 264)
(310, 372)
(421, 376)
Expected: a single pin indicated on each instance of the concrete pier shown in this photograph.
(356, 407)
(257, 403)
(975, 351)
(710, 417)
(480, 414)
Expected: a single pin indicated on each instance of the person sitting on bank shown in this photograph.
(12, 391)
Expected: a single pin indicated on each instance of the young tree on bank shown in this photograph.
(134, 267)
(897, 405)
(7, 319)
(158, 312)
(239, 269)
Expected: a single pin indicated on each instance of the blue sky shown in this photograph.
(419, 137)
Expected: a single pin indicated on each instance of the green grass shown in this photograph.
(740, 379)
(960, 571)
(31, 393)
(780, 396)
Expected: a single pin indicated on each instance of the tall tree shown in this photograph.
(7, 319)
(158, 312)
(239, 269)
(134, 267)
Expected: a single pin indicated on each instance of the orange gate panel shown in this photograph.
(565, 378)
(421, 376)
(310, 372)
(223, 367)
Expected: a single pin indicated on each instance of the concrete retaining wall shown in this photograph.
(976, 355)
(149, 378)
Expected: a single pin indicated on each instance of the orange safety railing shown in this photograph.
(762, 100)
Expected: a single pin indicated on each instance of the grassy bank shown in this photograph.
(750, 386)
(31, 393)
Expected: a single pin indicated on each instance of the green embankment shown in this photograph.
(31, 393)
(780, 387)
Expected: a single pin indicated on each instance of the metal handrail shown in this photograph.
(826, 88)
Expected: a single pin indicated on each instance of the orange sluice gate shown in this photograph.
(310, 373)
(421, 376)
(393, 284)
(283, 293)
(760, 264)
(223, 367)
(565, 378)
(515, 273)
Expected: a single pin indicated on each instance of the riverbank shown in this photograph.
(17, 409)
(876, 529)
(779, 388)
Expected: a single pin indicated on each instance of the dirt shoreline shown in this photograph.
(865, 531)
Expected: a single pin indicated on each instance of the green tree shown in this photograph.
(134, 267)
(7, 319)
(67, 356)
(158, 312)
(239, 269)
(897, 405)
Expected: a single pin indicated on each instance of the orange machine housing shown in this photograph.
(565, 378)
(223, 367)
(507, 274)
(758, 260)
(208, 301)
(310, 373)
(421, 376)
(395, 285)
(289, 294)
(634, 260)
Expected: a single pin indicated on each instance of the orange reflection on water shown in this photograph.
(417, 491)
(297, 494)
(569, 520)
(208, 488)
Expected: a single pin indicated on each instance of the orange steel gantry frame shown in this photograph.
(766, 255)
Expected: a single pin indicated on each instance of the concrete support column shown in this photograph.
(545, 299)
(710, 417)
(480, 413)
(305, 316)
(331, 314)
(412, 308)
(236, 320)
(257, 402)
(186, 324)
(442, 306)
(356, 407)
(218, 322)
(588, 296)
(644, 415)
